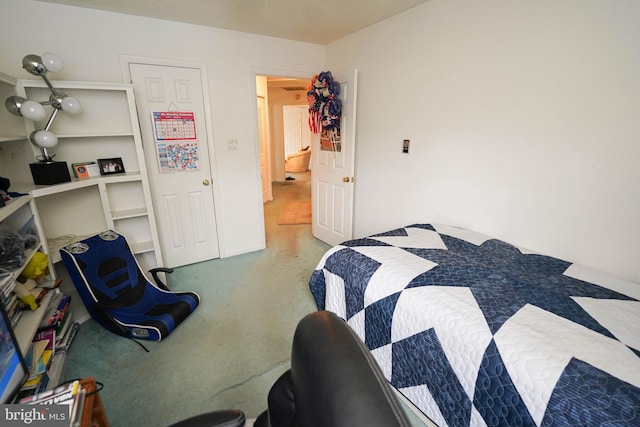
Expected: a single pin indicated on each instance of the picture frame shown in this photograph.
(84, 170)
(111, 166)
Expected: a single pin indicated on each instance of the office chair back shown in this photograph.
(333, 382)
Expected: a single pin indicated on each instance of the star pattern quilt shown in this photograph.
(477, 332)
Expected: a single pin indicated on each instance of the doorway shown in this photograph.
(280, 94)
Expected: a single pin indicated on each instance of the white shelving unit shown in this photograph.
(16, 214)
(107, 128)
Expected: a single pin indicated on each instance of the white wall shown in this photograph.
(91, 42)
(524, 119)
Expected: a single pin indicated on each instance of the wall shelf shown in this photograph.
(95, 135)
(13, 205)
(47, 190)
(64, 213)
(129, 213)
(107, 127)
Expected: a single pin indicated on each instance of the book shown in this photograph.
(65, 325)
(64, 344)
(38, 388)
(62, 393)
(35, 383)
(6, 280)
(12, 304)
(56, 311)
(48, 335)
(36, 359)
(15, 318)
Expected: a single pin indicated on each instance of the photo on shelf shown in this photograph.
(85, 170)
(111, 166)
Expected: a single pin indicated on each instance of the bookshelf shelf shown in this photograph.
(13, 206)
(128, 213)
(29, 322)
(142, 247)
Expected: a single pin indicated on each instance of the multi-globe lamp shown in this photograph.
(46, 170)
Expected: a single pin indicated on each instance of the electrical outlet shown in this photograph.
(232, 144)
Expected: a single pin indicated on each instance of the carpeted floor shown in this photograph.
(230, 351)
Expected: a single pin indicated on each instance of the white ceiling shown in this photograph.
(313, 21)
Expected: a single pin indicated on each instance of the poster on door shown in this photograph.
(178, 156)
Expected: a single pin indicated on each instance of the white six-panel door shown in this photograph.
(333, 172)
(183, 200)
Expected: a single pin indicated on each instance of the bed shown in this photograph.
(476, 331)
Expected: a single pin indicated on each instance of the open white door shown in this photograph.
(177, 157)
(333, 171)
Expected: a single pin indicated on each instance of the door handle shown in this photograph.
(347, 179)
(205, 182)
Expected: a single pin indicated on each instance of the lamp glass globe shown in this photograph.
(71, 105)
(45, 139)
(52, 62)
(32, 110)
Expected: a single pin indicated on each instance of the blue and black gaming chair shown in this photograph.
(116, 292)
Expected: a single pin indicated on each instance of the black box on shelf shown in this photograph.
(48, 173)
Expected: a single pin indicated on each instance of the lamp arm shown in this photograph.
(45, 155)
(51, 119)
(51, 88)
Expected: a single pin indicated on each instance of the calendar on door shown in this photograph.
(176, 143)
(174, 125)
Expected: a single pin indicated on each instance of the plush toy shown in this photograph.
(37, 268)
(32, 275)
(28, 292)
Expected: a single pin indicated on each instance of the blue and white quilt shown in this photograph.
(477, 332)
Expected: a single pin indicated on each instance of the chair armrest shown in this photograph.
(154, 272)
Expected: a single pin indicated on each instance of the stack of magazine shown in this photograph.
(70, 394)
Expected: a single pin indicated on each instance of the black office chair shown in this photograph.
(333, 382)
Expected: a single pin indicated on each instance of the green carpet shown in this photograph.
(229, 352)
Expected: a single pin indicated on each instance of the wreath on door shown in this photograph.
(325, 108)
